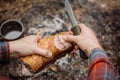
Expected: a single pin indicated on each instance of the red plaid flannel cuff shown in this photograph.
(4, 52)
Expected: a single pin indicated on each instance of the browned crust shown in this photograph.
(37, 62)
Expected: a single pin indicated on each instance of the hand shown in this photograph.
(27, 46)
(86, 41)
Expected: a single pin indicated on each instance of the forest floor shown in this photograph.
(102, 16)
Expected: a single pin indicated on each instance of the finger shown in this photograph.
(35, 39)
(38, 36)
(82, 26)
(70, 32)
(69, 38)
(43, 52)
(76, 47)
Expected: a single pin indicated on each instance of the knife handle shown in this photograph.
(82, 54)
(76, 31)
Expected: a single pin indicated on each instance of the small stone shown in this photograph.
(54, 68)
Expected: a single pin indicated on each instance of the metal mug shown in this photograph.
(11, 29)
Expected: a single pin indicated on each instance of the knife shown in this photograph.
(75, 28)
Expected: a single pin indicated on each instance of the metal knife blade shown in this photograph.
(75, 28)
(70, 12)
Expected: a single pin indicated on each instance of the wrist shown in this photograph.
(88, 51)
(4, 52)
(13, 49)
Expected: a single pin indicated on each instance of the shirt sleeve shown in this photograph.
(100, 66)
(4, 52)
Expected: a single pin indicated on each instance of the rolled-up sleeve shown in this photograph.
(4, 52)
(100, 66)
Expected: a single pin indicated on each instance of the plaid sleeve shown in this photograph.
(100, 66)
(4, 52)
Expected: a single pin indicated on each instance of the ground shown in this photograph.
(102, 16)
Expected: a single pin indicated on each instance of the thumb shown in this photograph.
(70, 38)
(43, 52)
(82, 26)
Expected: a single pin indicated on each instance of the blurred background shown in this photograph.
(102, 16)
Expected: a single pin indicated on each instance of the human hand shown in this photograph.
(86, 41)
(27, 46)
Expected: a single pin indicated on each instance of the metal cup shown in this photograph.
(11, 29)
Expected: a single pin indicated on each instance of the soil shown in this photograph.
(102, 16)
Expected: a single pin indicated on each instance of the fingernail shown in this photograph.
(49, 54)
(64, 37)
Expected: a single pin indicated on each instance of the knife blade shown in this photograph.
(75, 28)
